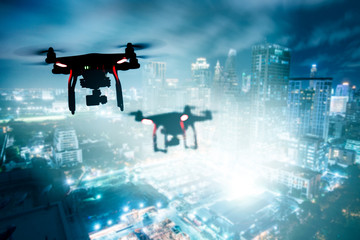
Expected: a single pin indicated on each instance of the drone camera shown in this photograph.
(96, 98)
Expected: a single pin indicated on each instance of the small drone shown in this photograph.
(173, 124)
(93, 68)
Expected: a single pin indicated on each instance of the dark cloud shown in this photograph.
(321, 31)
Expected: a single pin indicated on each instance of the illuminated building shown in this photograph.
(300, 182)
(338, 105)
(341, 156)
(309, 106)
(155, 73)
(313, 71)
(153, 82)
(352, 144)
(270, 70)
(342, 89)
(200, 73)
(230, 77)
(245, 82)
(66, 147)
(336, 127)
(353, 107)
(311, 153)
(218, 86)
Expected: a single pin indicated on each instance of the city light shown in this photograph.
(69, 181)
(97, 226)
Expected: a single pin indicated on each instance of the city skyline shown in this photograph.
(329, 40)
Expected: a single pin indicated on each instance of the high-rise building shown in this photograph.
(353, 107)
(270, 70)
(153, 83)
(230, 76)
(312, 153)
(66, 147)
(338, 105)
(155, 73)
(309, 107)
(200, 73)
(342, 90)
(308, 151)
(245, 82)
(313, 71)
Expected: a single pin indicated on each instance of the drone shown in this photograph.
(173, 124)
(93, 68)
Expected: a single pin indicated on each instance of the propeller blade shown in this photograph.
(144, 45)
(32, 51)
(37, 63)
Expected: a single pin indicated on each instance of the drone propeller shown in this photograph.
(144, 45)
(138, 46)
(132, 113)
(36, 63)
(31, 51)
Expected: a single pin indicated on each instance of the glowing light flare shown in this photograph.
(240, 186)
(59, 64)
(147, 121)
(184, 117)
(69, 181)
(122, 61)
(97, 226)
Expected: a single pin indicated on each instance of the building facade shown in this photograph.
(300, 182)
(309, 107)
(270, 70)
(66, 148)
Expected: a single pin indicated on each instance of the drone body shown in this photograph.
(94, 68)
(173, 124)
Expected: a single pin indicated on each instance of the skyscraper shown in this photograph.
(270, 70)
(309, 107)
(200, 73)
(313, 71)
(153, 82)
(230, 76)
(342, 90)
(245, 82)
(66, 147)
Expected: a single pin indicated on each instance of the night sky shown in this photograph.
(325, 32)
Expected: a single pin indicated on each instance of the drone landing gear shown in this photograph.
(156, 149)
(71, 92)
(119, 96)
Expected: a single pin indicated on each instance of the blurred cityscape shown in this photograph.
(279, 159)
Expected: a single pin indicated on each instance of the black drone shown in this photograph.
(93, 68)
(173, 124)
